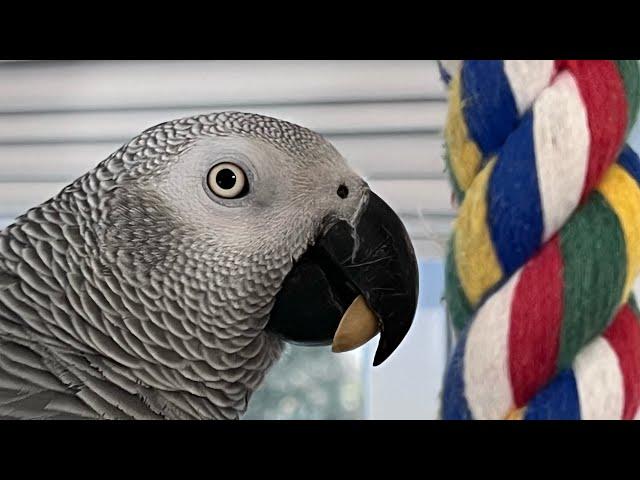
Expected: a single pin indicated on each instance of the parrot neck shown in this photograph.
(135, 328)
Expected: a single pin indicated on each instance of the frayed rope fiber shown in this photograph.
(546, 245)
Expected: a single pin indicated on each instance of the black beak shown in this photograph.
(375, 259)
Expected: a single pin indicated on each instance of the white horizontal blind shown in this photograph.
(58, 119)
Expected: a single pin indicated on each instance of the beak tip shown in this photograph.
(381, 352)
(391, 339)
(380, 357)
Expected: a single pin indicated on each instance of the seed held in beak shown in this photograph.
(357, 326)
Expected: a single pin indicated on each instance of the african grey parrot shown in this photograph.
(162, 283)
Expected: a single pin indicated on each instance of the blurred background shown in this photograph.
(58, 119)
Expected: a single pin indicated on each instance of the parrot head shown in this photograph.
(256, 226)
(164, 282)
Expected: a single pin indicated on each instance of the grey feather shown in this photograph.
(120, 298)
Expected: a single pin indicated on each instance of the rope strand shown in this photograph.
(546, 244)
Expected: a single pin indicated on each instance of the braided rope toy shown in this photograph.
(546, 245)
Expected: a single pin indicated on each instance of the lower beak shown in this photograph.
(354, 282)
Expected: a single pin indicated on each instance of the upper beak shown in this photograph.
(368, 270)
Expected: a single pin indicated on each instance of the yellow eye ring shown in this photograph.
(227, 180)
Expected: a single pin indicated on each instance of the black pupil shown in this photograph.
(226, 179)
(343, 191)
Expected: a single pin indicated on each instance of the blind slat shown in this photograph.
(122, 125)
(131, 84)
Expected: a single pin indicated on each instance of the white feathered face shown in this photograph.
(249, 196)
(268, 219)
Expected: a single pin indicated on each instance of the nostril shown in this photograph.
(343, 191)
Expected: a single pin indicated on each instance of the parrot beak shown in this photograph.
(354, 282)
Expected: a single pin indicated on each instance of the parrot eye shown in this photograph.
(228, 180)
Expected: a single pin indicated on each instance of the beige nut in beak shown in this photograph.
(357, 326)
